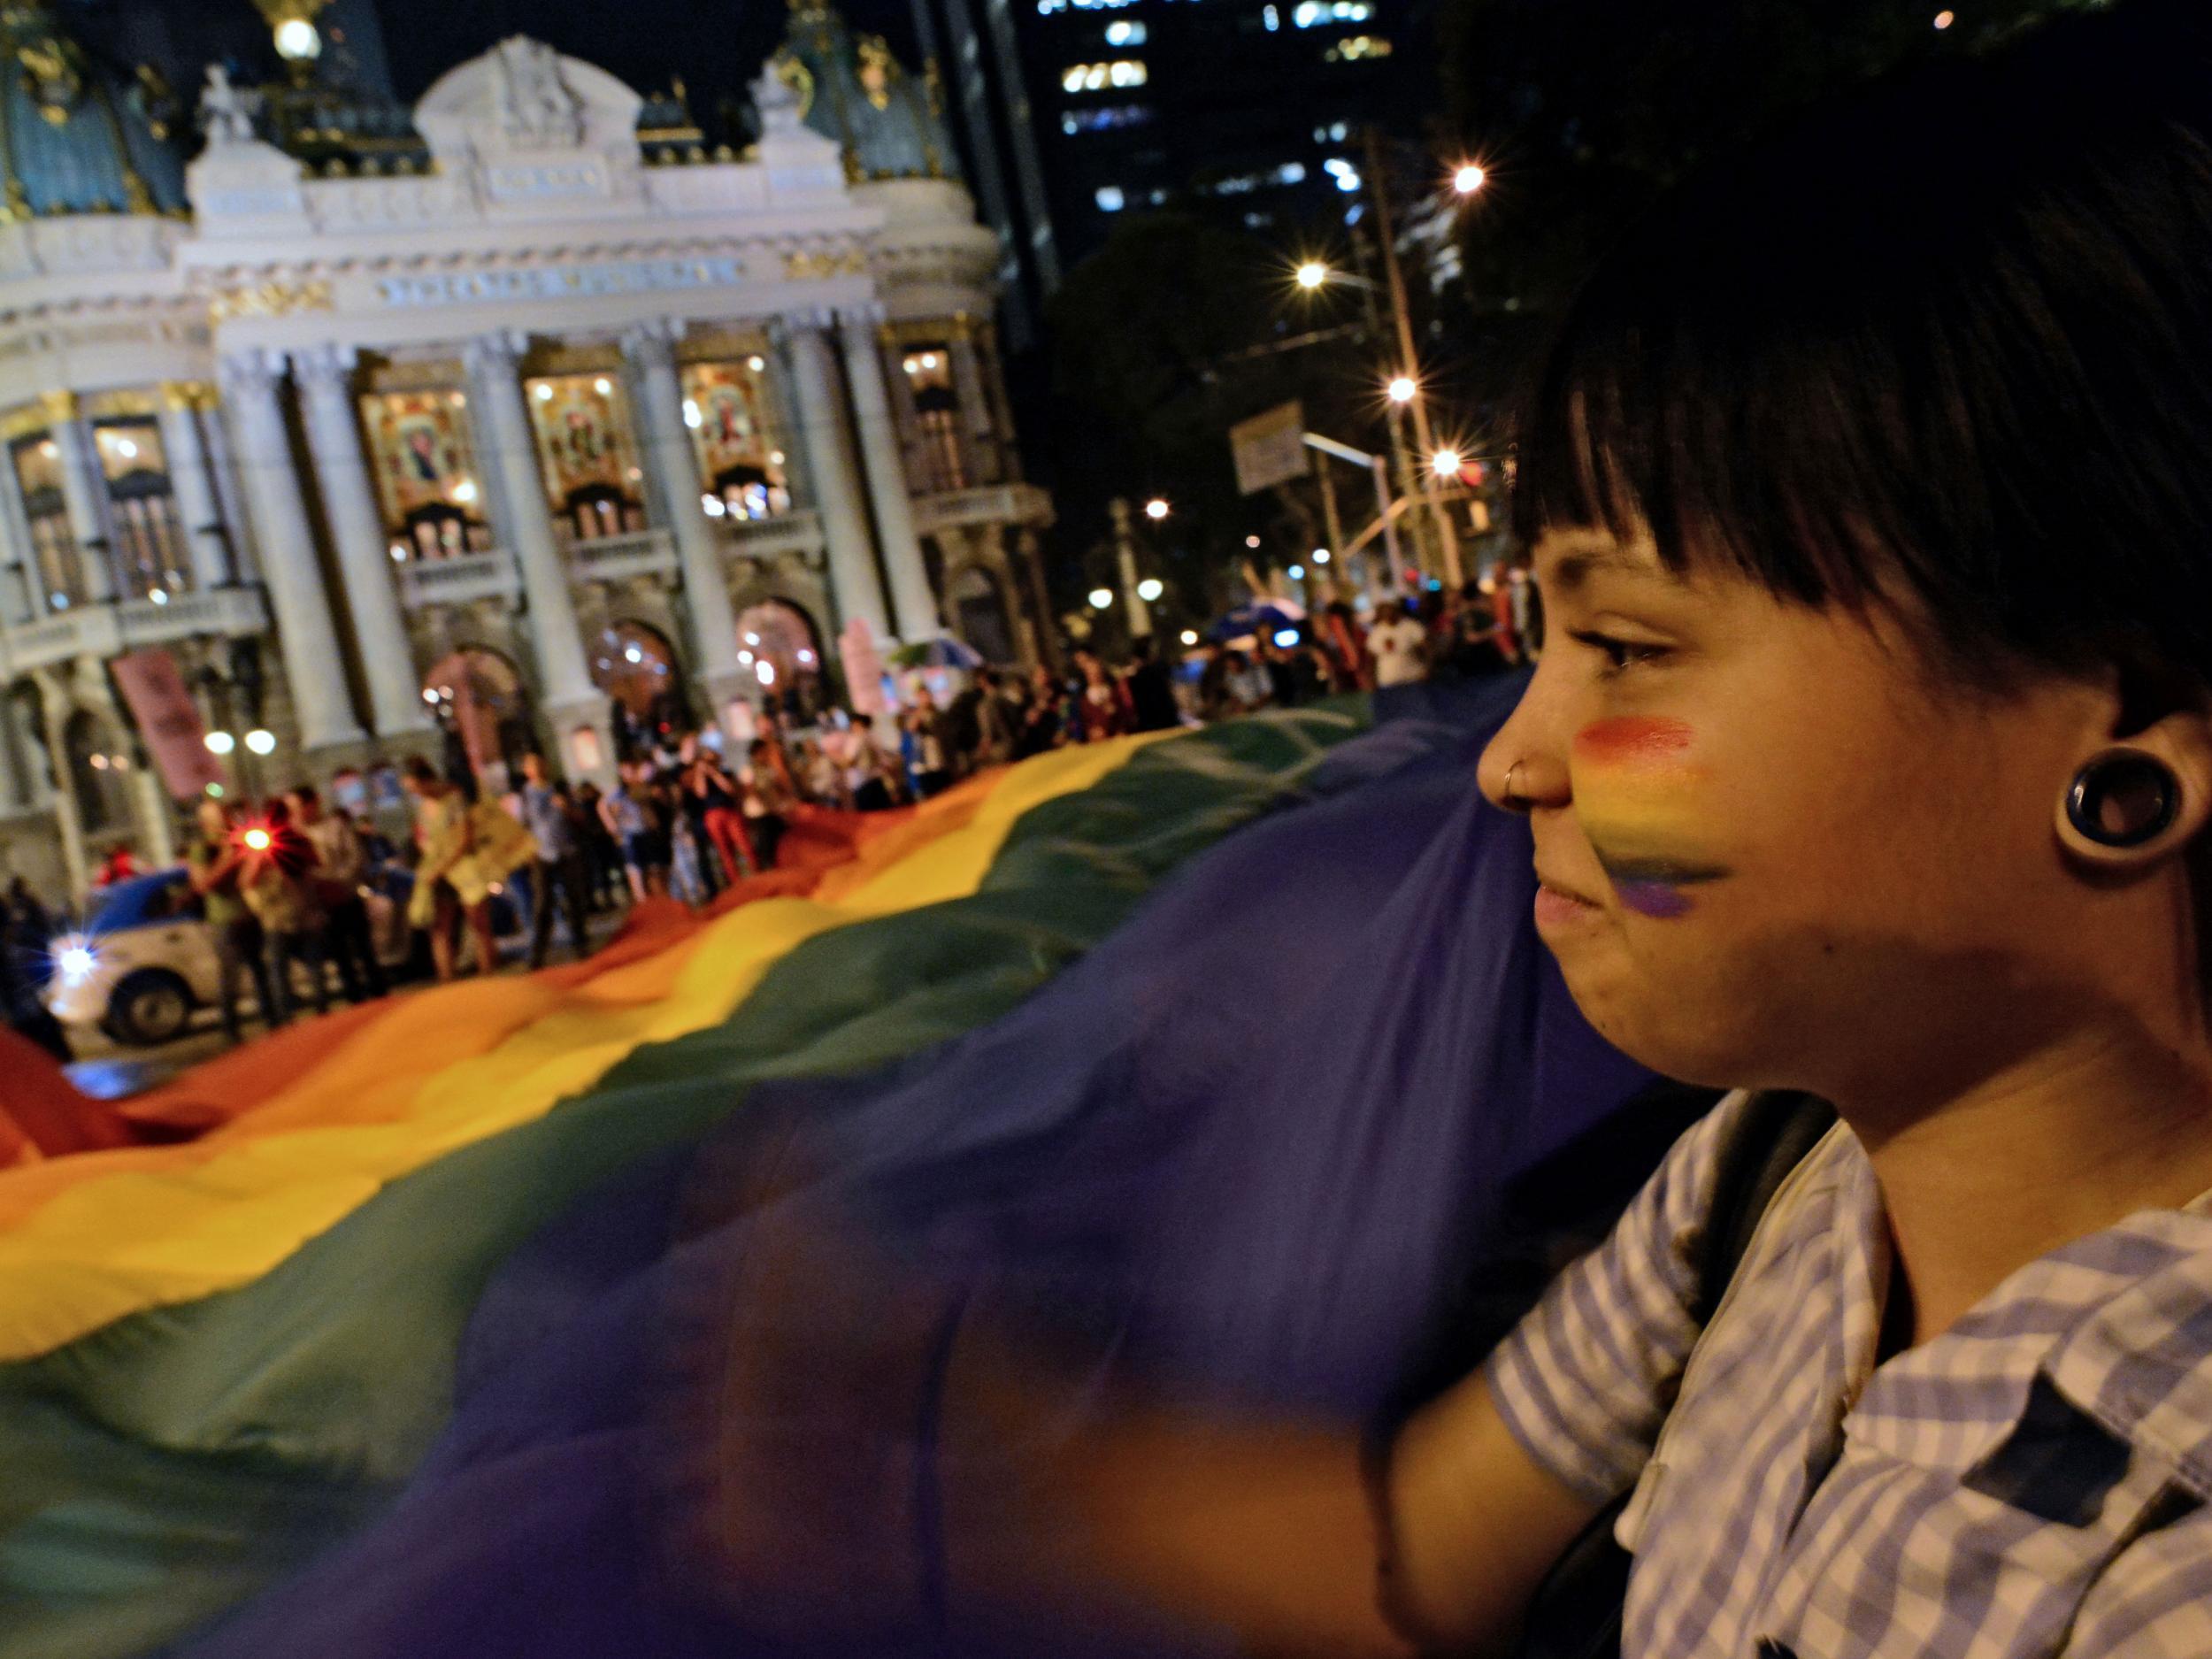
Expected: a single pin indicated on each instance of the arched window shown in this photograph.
(97, 768)
(780, 645)
(478, 697)
(635, 664)
(978, 616)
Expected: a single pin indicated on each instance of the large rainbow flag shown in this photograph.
(258, 1389)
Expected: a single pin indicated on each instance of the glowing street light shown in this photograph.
(261, 740)
(297, 40)
(1312, 274)
(1468, 178)
(1944, 19)
(1402, 388)
(1190, 636)
(1156, 510)
(1150, 588)
(219, 742)
(1101, 598)
(1445, 464)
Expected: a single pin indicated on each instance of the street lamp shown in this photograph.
(1101, 598)
(1402, 388)
(219, 742)
(1468, 178)
(1156, 510)
(1150, 588)
(261, 740)
(1445, 464)
(1312, 274)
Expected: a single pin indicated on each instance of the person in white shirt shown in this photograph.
(1395, 642)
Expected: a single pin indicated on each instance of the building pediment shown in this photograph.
(532, 129)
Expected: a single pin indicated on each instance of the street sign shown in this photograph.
(1270, 448)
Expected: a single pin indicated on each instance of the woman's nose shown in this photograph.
(1520, 768)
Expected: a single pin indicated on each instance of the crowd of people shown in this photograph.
(283, 883)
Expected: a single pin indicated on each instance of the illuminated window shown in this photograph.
(1110, 199)
(1124, 33)
(1104, 117)
(1356, 47)
(1122, 72)
(1313, 14)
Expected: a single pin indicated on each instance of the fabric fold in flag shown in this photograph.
(197, 1410)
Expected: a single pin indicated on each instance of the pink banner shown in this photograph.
(168, 721)
(864, 669)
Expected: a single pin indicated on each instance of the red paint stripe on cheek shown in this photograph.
(1629, 738)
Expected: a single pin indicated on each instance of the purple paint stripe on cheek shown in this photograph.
(1662, 900)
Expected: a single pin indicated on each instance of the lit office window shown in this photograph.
(1122, 72)
(1124, 33)
(1110, 199)
(1358, 46)
(1104, 117)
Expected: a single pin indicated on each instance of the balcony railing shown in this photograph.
(225, 610)
(785, 533)
(612, 559)
(80, 631)
(991, 503)
(490, 574)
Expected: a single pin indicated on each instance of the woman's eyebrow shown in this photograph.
(1586, 559)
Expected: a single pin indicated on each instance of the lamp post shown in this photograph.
(1125, 558)
(1409, 361)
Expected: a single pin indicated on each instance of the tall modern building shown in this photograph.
(1073, 113)
(521, 419)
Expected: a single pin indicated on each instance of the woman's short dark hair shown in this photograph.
(1948, 344)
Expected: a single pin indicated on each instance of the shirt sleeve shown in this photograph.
(1584, 1380)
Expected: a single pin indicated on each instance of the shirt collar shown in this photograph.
(2120, 1324)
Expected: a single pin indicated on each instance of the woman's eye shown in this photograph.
(1618, 653)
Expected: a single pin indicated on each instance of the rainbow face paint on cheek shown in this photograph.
(1636, 791)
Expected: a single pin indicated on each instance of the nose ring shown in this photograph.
(1514, 801)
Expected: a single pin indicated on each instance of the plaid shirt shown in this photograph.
(2033, 1481)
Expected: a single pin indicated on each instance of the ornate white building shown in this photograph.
(530, 425)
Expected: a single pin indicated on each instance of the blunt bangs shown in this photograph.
(1946, 349)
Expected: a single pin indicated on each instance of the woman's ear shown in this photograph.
(2142, 797)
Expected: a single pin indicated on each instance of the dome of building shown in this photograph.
(76, 136)
(853, 91)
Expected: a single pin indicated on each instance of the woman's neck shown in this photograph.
(2064, 1142)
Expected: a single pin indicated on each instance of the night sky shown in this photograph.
(715, 45)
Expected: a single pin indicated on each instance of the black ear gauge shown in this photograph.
(2122, 798)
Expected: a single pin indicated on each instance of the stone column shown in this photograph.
(670, 459)
(978, 435)
(325, 376)
(912, 604)
(22, 590)
(306, 634)
(556, 639)
(829, 466)
(905, 414)
(206, 537)
(81, 488)
(53, 712)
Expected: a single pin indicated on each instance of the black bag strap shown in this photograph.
(1576, 1612)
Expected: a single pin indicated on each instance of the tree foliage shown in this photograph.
(1586, 112)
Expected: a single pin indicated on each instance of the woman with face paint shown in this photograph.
(1840, 780)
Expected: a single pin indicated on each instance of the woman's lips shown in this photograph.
(1556, 906)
